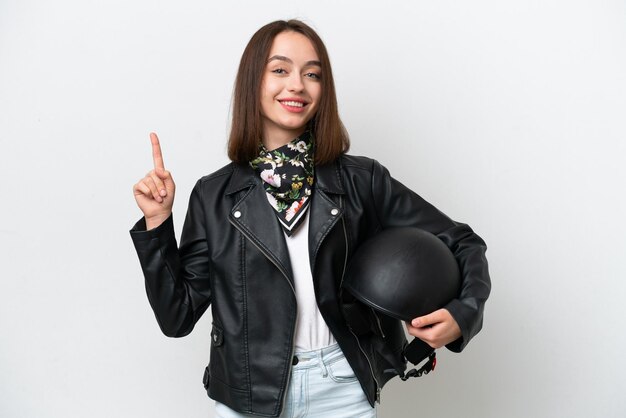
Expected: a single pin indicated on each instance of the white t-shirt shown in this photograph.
(312, 333)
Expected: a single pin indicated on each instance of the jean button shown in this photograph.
(295, 360)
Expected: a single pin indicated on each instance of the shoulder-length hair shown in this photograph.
(331, 137)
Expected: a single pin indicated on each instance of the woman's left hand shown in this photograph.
(435, 329)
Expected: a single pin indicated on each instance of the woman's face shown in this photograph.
(291, 88)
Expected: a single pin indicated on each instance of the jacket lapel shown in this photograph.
(255, 218)
(325, 212)
(259, 224)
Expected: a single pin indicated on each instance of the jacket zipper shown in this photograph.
(380, 328)
(284, 388)
(345, 263)
(370, 364)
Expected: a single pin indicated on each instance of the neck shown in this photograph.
(273, 140)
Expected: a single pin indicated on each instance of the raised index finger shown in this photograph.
(157, 157)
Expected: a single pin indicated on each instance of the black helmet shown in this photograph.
(403, 273)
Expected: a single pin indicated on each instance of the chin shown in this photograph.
(295, 126)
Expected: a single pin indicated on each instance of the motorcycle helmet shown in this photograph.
(402, 273)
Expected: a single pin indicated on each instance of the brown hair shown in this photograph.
(331, 138)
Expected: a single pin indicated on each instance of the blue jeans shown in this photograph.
(322, 385)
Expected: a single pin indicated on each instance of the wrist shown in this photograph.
(155, 221)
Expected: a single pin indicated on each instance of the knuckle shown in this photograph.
(157, 179)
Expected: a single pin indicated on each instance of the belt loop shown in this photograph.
(320, 358)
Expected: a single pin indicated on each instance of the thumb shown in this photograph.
(426, 320)
(166, 176)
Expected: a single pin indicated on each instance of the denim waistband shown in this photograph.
(318, 358)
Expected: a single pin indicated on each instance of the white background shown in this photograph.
(509, 116)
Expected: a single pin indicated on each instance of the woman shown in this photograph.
(267, 238)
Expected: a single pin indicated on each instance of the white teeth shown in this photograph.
(293, 104)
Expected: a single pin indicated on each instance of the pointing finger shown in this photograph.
(157, 157)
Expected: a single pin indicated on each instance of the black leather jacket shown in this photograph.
(233, 257)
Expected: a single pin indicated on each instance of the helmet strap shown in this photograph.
(428, 367)
(416, 352)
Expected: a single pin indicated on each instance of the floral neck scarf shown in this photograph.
(287, 174)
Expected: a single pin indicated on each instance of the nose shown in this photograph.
(295, 83)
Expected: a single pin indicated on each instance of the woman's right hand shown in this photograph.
(155, 192)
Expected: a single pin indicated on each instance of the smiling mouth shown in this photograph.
(292, 103)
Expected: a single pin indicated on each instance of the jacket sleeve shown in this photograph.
(177, 279)
(397, 205)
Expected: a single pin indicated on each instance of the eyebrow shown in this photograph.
(290, 61)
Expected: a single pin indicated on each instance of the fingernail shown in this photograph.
(163, 192)
(159, 199)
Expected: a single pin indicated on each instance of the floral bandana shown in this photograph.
(287, 174)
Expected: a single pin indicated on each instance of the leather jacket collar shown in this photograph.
(327, 178)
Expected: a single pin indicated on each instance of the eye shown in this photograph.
(314, 76)
(279, 71)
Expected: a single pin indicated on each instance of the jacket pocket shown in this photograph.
(217, 340)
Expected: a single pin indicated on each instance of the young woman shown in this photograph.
(267, 239)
